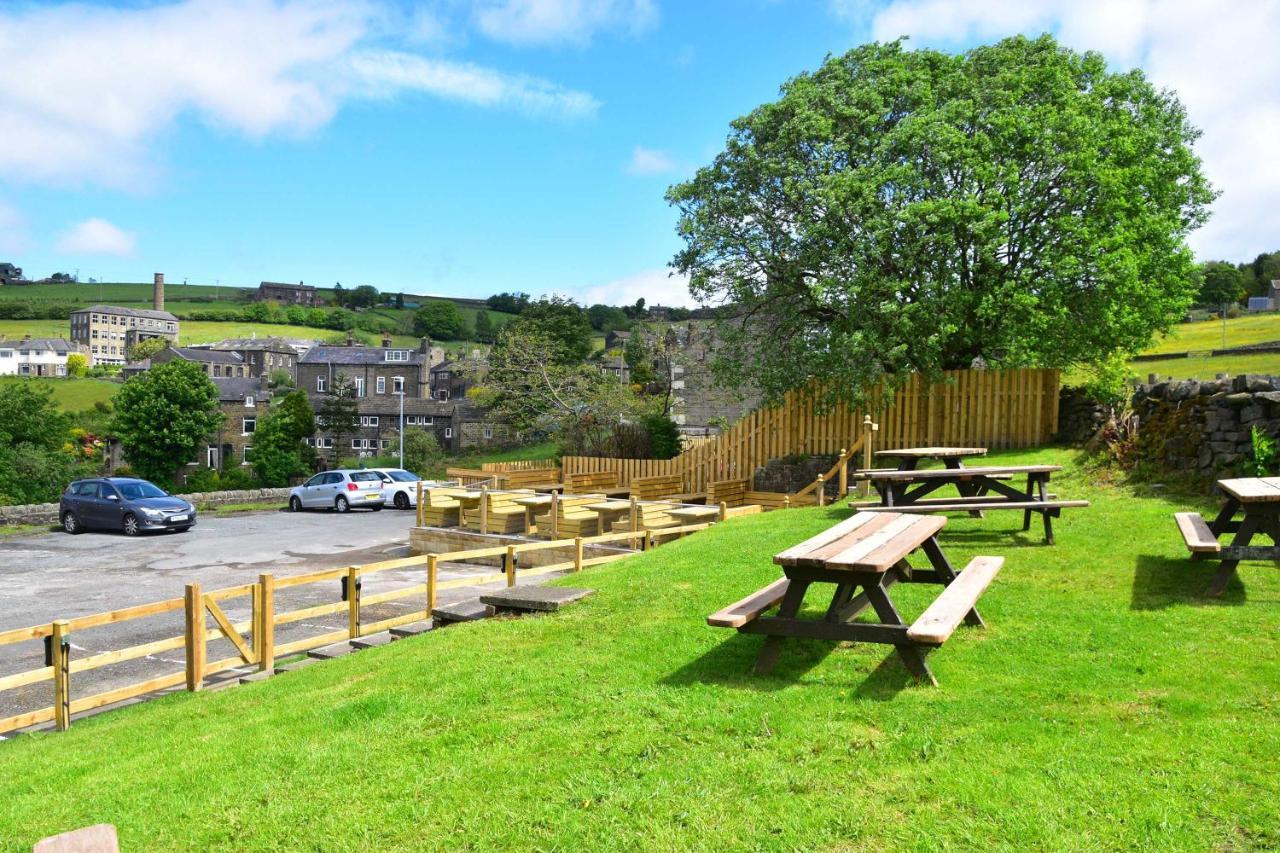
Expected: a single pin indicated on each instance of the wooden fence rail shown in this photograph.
(993, 408)
(259, 649)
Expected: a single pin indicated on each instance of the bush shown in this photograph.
(664, 436)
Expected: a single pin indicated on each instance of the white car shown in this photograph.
(341, 490)
(399, 487)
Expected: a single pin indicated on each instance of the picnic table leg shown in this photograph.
(942, 566)
(911, 655)
(1227, 568)
(1229, 509)
(1042, 482)
(844, 592)
(965, 490)
(787, 610)
(1026, 513)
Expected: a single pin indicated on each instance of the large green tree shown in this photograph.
(163, 415)
(560, 322)
(36, 458)
(337, 414)
(1221, 283)
(440, 319)
(911, 210)
(485, 332)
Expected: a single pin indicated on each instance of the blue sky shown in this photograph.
(468, 148)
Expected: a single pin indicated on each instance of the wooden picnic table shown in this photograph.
(1257, 501)
(904, 490)
(910, 457)
(608, 510)
(695, 514)
(533, 504)
(866, 552)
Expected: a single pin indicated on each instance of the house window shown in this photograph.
(359, 386)
(249, 425)
(320, 385)
(397, 384)
(62, 370)
(396, 355)
(448, 432)
(211, 456)
(488, 431)
(248, 451)
(382, 384)
(368, 420)
(248, 402)
(217, 370)
(384, 443)
(442, 394)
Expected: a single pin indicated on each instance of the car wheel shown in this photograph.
(131, 526)
(295, 505)
(376, 508)
(341, 504)
(402, 500)
(70, 523)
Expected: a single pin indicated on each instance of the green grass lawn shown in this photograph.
(192, 331)
(1208, 368)
(1107, 705)
(71, 395)
(1248, 329)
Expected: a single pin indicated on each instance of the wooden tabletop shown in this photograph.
(534, 501)
(610, 506)
(864, 543)
(932, 452)
(694, 513)
(1252, 489)
(956, 473)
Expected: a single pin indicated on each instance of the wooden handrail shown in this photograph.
(841, 467)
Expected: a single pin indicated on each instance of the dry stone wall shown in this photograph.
(48, 513)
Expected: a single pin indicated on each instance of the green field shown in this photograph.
(132, 294)
(71, 395)
(193, 332)
(1206, 335)
(1107, 705)
(1208, 368)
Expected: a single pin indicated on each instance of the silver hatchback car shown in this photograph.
(342, 490)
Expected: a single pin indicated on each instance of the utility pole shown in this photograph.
(400, 394)
(1224, 325)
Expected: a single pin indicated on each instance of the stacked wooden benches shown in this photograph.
(738, 493)
(440, 507)
(572, 518)
(538, 479)
(666, 487)
(864, 557)
(496, 512)
(595, 482)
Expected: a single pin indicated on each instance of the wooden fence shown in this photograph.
(518, 465)
(254, 639)
(990, 408)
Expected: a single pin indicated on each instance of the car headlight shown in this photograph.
(152, 513)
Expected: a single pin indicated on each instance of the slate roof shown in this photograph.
(127, 312)
(269, 344)
(58, 345)
(287, 285)
(209, 356)
(233, 389)
(325, 354)
(412, 406)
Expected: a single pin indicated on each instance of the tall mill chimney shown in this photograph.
(157, 295)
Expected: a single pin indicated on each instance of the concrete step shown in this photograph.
(413, 629)
(257, 676)
(534, 599)
(333, 650)
(298, 664)
(372, 641)
(461, 611)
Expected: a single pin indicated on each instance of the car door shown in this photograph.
(310, 490)
(110, 506)
(81, 499)
(335, 485)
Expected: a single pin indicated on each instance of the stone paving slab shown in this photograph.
(333, 650)
(542, 599)
(298, 664)
(257, 676)
(372, 641)
(462, 611)
(413, 629)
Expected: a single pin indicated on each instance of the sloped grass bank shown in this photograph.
(1107, 705)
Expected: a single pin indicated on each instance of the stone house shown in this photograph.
(616, 340)
(263, 356)
(37, 356)
(378, 372)
(286, 294)
(108, 331)
(215, 363)
(242, 400)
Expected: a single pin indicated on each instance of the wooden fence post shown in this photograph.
(724, 510)
(555, 516)
(822, 491)
(509, 565)
(433, 567)
(635, 514)
(353, 602)
(648, 540)
(418, 506)
(195, 637)
(484, 509)
(868, 431)
(265, 627)
(844, 472)
(61, 649)
(577, 553)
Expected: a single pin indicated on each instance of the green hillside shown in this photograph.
(71, 395)
(1192, 337)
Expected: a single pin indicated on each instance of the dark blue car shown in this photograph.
(122, 503)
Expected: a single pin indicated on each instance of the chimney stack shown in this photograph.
(157, 294)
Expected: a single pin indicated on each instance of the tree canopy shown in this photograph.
(338, 413)
(163, 415)
(1221, 284)
(440, 319)
(911, 210)
(560, 322)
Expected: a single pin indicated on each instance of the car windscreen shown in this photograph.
(138, 491)
(402, 476)
(365, 476)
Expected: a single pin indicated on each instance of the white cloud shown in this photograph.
(528, 22)
(97, 237)
(388, 72)
(13, 230)
(650, 161)
(657, 287)
(1193, 47)
(87, 90)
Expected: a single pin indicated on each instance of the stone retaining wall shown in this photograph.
(792, 473)
(48, 513)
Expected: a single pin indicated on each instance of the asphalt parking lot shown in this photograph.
(58, 576)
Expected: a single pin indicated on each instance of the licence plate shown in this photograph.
(373, 496)
(177, 518)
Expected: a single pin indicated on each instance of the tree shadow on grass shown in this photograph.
(1160, 582)
(731, 663)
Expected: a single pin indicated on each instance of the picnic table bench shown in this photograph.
(866, 552)
(903, 490)
(1258, 500)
